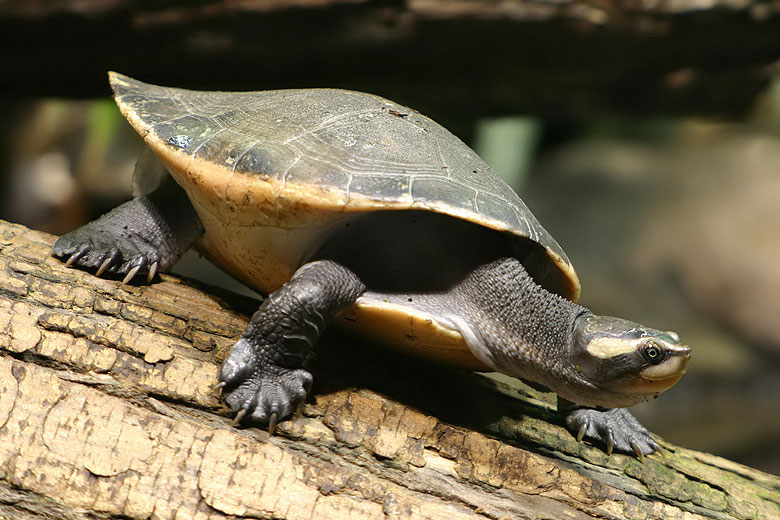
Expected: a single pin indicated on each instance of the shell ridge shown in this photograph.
(404, 172)
(444, 165)
(322, 158)
(406, 168)
(348, 188)
(179, 100)
(324, 124)
(324, 144)
(360, 163)
(200, 117)
(206, 141)
(287, 170)
(242, 154)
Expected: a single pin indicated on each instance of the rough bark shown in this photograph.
(106, 412)
(450, 58)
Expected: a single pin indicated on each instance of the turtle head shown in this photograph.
(627, 363)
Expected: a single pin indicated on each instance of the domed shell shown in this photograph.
(254, 158)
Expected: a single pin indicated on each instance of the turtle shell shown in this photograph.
(288, 164)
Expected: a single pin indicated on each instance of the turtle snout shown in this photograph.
(671, 369)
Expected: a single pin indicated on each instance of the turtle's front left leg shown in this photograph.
(264, 376)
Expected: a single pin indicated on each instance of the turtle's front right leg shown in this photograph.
(265, 377)
(142, 235)
(615, 427)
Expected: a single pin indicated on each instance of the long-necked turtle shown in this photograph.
(345, 206)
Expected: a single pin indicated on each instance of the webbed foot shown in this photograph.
(265, 377)
(615, 427)
(99, 245)
(260, 391)
(140, 236)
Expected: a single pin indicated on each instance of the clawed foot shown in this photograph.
(261, 392)
(615, 427)
(94, 246)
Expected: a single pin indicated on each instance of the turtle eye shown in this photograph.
(652, 352)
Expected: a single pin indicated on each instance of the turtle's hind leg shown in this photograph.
(142, 235)
(264, 376)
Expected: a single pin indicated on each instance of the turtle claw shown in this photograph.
(610, 441)
(152, 272)
(662, 452)
(638, 451)
(262, 393)
(239, 417)
(616, 428)
(76, 255)
(218, 386)
(131, 274)
(581, 433)
(109, 245)
(105, 265)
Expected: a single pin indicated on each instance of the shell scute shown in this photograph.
(429, 190)
(383, 187)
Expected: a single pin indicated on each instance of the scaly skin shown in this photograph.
(264, 376)
(140, 236)
(517, 327)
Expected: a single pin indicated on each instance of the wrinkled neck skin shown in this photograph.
(522, 330)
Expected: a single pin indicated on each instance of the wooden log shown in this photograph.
(106, 411)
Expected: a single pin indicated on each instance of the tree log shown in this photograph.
(106, 411)
(465, 58)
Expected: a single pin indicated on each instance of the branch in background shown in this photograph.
(456, 59)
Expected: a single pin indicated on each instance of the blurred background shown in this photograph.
(645, 135)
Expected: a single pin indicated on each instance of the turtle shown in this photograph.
(343, 207)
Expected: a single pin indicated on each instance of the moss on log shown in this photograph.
(106, 411)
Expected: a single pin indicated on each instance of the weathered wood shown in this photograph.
(454, 59)
(106, 411)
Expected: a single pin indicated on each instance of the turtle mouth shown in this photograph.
(671, 370)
